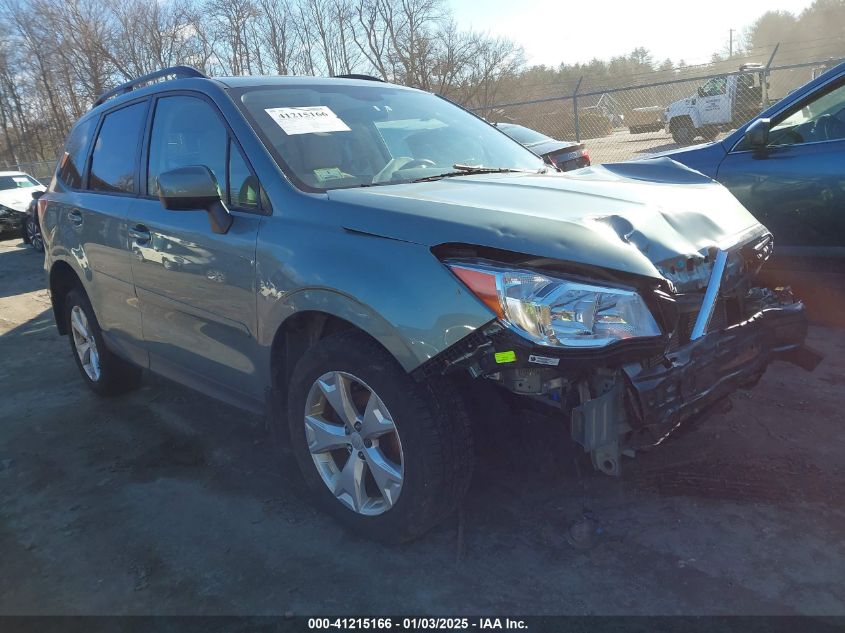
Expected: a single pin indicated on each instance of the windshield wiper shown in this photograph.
(469, 170)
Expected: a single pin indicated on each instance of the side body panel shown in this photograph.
(88, 231)
(197, 295)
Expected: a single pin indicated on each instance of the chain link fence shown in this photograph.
(628, 122)
(41, 170)
(664, 110)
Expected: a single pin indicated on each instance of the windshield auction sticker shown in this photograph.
(307, 120)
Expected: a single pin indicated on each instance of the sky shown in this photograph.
(573, 31)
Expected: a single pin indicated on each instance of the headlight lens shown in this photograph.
(559, 312)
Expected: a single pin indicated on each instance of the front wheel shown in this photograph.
(104, 372)
(387, 456)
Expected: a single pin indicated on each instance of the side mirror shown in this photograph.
(757, 134)
(37, 194)
(194, 188)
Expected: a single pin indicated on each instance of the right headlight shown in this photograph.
(558, 312)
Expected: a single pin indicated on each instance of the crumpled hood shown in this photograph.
(18, 199)
(640, 217)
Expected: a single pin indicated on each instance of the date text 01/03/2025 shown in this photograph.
(416, 624)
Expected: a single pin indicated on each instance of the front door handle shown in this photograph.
(75, 217)
(139, 233)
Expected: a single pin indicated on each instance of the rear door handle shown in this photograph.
(139, 233)
(75, 217)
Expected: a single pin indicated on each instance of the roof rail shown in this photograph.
(177, 72)
(364, 77)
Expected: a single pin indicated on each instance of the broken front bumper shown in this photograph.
(645, 402)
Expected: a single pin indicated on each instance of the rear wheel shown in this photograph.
(683, 133)
(385, 455)
(32, 234)
(104, 372)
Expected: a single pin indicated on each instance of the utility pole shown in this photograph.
(731, 45)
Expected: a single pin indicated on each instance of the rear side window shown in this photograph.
(73, 160)
(186, 131)
(114, 159)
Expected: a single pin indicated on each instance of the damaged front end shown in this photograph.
(714, 331)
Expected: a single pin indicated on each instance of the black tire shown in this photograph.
(116, 376)
(431, 422)
(32, 234)
(683, 133)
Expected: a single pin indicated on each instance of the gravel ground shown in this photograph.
(166, 502)
(621, 145)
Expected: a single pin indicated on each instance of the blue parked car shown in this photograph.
(787, 167)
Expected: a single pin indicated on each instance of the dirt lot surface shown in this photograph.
(621, 145)
(166, 502)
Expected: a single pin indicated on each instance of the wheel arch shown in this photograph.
(677, 121)
(326, 311)
(296, 334)
(63, 279)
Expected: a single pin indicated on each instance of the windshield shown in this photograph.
(524, 135)
(16, 181)
(332, 136)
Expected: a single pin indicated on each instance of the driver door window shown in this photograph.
(187, 131)
(822, 119)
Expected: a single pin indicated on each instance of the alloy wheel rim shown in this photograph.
(33, 234)
(354, 443)
(84, 343)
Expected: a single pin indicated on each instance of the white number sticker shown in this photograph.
(307, 120)
(543, 360)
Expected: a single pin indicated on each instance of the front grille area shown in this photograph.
(726, 312)
(683, 329)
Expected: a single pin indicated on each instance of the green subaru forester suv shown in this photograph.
(363, 261)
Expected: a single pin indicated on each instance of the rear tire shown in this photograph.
(103, 371)
(32, 234)
(422, 434)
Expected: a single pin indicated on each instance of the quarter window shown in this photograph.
(114, 158)
(72, 161)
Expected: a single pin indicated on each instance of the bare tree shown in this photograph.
(53, 67)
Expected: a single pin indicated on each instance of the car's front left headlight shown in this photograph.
(558, 312)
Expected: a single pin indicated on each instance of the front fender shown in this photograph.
(337, 304)
(397, 292)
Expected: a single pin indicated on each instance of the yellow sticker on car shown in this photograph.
(505, 357)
